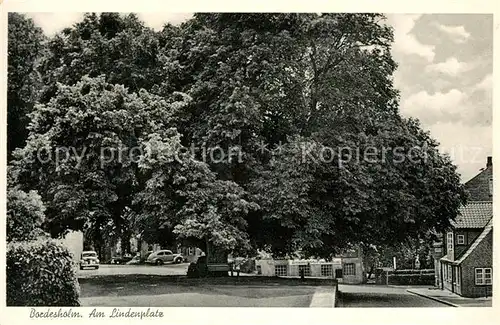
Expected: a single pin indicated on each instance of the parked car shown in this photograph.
(135, 260)
(121, 259)
(164, 256)
(138, 259)
(89, 259)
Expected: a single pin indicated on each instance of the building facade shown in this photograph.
(464, 256)
(346, 267)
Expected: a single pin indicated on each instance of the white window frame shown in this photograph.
(480, 276)
(349, 269)
(306, 268)
(449, 241)
(281, 270)
(460, 239)
(326, 269)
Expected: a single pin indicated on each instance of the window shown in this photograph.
(191, 251)
(449, 273)
(281, 270)
(349, 269)
(306, 269)
(457, 275)
(449, 244)
(460, 239)
(483, 276)
(326, 270)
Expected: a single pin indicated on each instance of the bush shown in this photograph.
(41, 273)
(25, 214)
(414, 271)
(411, 279)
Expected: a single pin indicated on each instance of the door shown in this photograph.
(169, 256)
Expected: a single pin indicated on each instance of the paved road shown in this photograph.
(166, 269)
(381, 296)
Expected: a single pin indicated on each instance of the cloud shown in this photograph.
(467, 106)
(404, 41)
(438, 107)
(451, 67)
(486, 84)
(458, 33)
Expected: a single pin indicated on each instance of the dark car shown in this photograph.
(136, 260)
(121, 259)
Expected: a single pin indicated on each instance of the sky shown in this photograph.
(445, 65)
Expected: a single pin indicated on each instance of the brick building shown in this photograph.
(480, 187)
(464, 257)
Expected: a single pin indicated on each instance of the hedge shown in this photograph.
(413, 271)
(41, 273)
(411, 279)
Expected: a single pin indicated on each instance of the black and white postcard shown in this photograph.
(292, 163)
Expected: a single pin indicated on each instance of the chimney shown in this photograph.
(489, 162)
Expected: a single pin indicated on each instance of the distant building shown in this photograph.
(464, 256)
(346, 267)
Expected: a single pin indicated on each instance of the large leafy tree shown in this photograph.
(316, 88)
(25, 47)
(110, 154)
(310, 82)
(116, 46)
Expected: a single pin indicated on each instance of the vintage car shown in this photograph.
(89, 260)
(164, 256)
(123, 259)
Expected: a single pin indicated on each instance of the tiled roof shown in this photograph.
(474, 215)
(479, 239)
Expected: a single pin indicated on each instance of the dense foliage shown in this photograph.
(41, 273)
(245, 131)
(25, 47)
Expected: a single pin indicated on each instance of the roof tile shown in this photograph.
(474, 215)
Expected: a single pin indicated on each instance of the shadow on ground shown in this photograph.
(249, 287)
(180, 291)
(366, 299)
